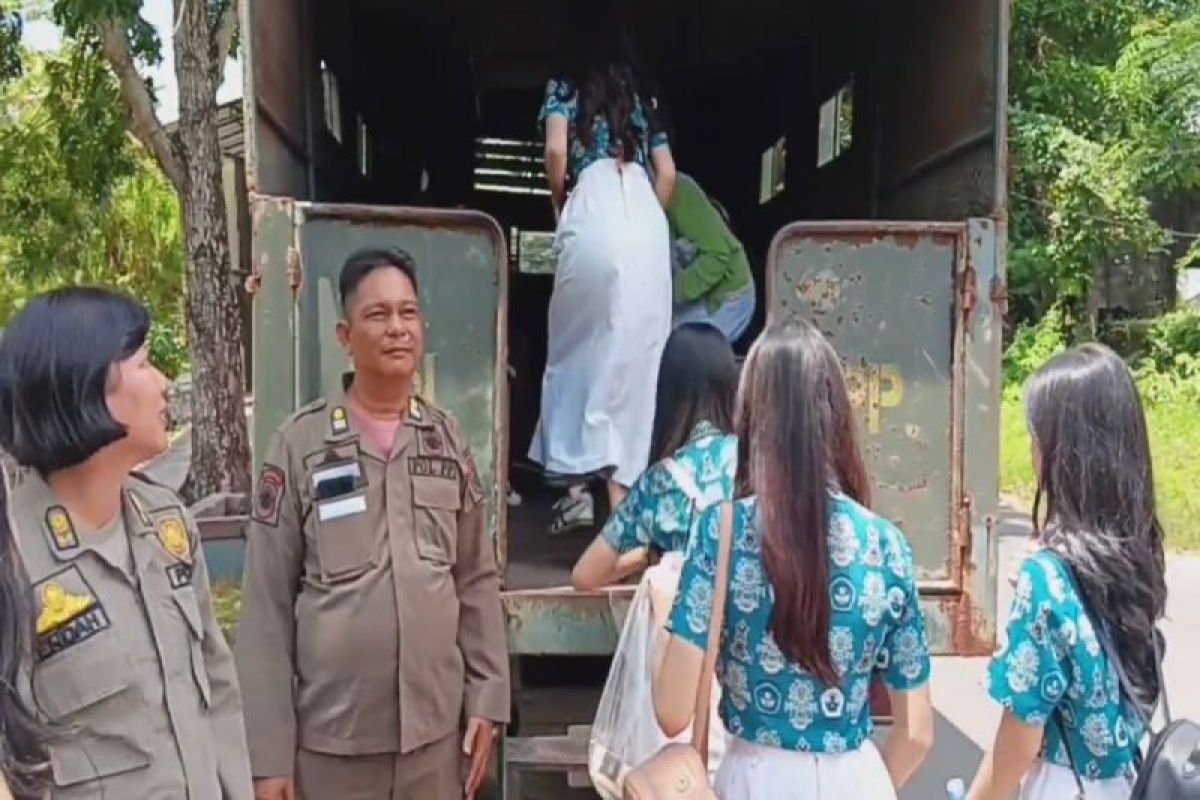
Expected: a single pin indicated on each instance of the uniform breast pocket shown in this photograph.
(436, 503)
(189, 609)
(90, 695)
(346, 540)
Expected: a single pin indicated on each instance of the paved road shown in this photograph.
(966, 716)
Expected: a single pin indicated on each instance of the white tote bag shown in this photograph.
(625, 732)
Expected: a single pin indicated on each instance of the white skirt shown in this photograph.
(1052, 782)
(758, 772)
(610, 315)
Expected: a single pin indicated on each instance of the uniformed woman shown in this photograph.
(22, 756)
(129, 666)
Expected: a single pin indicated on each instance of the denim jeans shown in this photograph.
(731, 318)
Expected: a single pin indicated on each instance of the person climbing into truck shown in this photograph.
(712, 279)
(610, 310)
(372, 642)
(695, 456)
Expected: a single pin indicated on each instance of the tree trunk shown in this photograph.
(220, 440)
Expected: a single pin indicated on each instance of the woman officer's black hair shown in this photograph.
(56, 359)
(22, 755)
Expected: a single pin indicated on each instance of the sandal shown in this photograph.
(573, 512)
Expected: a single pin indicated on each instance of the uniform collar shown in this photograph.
(62, 534)
(339, 426)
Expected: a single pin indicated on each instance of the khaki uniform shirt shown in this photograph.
(130, 666)
(371, 619)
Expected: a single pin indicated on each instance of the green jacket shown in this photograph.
(720, 269)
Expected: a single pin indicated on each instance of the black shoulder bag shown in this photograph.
(1170, 767)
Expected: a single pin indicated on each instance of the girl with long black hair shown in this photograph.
(1098, 572)
(821, 599)
(610, 312)
(695, 455)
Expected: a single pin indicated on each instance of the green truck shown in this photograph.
(859, 146)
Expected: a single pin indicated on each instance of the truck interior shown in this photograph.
(782, 110)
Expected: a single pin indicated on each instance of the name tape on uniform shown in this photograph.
(336, 509)
(433, 467)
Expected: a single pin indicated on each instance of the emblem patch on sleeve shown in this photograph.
(68, 613)
(173, 534)
(268, 497)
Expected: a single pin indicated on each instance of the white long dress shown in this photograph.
(610, 315)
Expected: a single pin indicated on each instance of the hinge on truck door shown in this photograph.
(295, 268)
(967, 295)
(999, 295)
(254, 281)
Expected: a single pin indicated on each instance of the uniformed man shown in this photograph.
(372, 643)
(129, 666)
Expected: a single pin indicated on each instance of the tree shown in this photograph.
(1104, 109)
(203, 37)
(80, 201)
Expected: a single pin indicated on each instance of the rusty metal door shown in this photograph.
(899, 302)
(299, 249)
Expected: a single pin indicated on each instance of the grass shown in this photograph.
(1174, 445)
(227, 602)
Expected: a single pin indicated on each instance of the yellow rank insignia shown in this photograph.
(338, 422)
(60, 606)
(69, 612)
(61, 528)
(174, 537)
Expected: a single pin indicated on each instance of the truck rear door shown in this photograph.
(299, 248)
(913, 309)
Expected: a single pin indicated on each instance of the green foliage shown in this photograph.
(227, 604)
(80, 202)
(10, 44)
(1103, 121)
(1032, 345)
(1171, 399)
(1173, 337)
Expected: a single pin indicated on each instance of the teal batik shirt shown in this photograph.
(876, 627)
(657, 511)
(562, 100)
(1053, 660)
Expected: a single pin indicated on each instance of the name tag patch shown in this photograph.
(432, 467)
(345, 507)
(68, 613)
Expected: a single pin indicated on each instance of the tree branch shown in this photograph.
(226, 31)
(139, 106)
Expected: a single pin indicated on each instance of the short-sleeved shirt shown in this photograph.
(658, 511)
(876, 627)
(562, 100)
(1053, 660)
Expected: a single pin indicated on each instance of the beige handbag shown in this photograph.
(680, 771)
